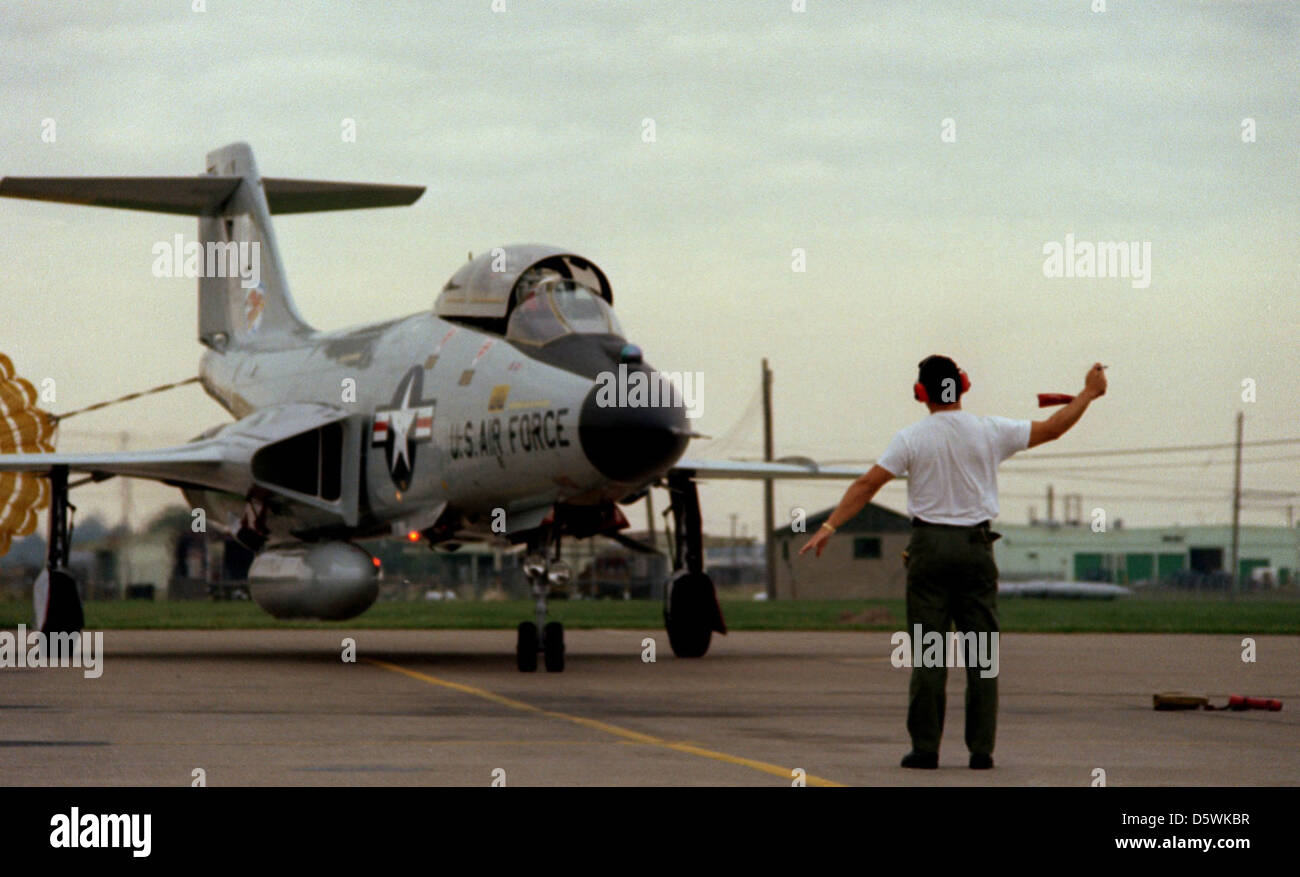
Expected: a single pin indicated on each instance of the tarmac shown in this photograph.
(448, 708)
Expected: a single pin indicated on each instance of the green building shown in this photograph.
(864, 560)
(1198, 556)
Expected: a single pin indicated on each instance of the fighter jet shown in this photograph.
(488, 418)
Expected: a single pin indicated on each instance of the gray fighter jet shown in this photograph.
(489, 418)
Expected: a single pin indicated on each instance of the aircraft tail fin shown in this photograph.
(252, 303)
(244, 295)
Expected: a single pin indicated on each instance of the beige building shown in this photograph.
(864, 560)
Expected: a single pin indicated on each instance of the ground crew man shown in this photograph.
(951, 459)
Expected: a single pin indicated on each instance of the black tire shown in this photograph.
(526, 647)
(553, 647)
(62, 610)
(689, 615)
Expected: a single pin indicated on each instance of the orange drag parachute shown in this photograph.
(24, 428)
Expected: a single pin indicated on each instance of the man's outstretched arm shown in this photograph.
(1059, 423)
(855, 499)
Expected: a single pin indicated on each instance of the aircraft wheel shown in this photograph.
(688, 616)
(57, 603)
(526, 647)
(553, 647)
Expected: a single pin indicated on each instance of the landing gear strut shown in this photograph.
(691, 611)
(55, 601)
(542, 637)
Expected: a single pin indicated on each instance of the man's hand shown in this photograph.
(817, 540)
(860, 492)
(1094, 386)
(1095, 383)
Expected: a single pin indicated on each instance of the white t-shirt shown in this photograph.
(951, 461)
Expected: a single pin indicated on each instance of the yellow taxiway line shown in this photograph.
(594, 724)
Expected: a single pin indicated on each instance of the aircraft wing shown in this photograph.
(265, 450)
(233, 458)
(730, 469)
(197, 463)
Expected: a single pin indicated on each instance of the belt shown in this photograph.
(982, 525)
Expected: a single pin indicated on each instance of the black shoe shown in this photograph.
(924, 760)
(979, 761)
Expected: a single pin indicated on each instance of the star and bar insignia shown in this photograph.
(403, 425)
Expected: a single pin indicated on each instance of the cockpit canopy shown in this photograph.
(551, 307)
(489, 287)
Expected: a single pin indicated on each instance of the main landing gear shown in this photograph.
(543, 569)
(55, 601)
(691, 611)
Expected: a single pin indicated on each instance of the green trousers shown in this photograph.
(951, 579)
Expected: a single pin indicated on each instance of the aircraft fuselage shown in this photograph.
(449, 414)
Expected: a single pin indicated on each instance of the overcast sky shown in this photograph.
(773, 130)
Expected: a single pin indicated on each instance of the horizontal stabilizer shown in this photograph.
(309, 196)
(205, 195)
(183, 195)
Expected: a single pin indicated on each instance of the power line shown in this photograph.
(831, 487)
(1257, 493)
(1170, 449)
(1065, 475)
(1014, 466)
(1118, 497)
(1115, 452)
(732, 436)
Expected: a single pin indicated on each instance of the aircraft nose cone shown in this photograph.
(627, 441)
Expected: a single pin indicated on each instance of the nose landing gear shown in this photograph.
(543, 637)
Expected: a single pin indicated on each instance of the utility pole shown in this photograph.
(124, 551)
(1236, 511)
(769, 516)
(650, 517)
(1050, 506)
(733, 538)
(124, 439)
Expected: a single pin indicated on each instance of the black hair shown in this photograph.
(933, 372)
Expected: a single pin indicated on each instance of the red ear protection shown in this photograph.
(918, 389)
